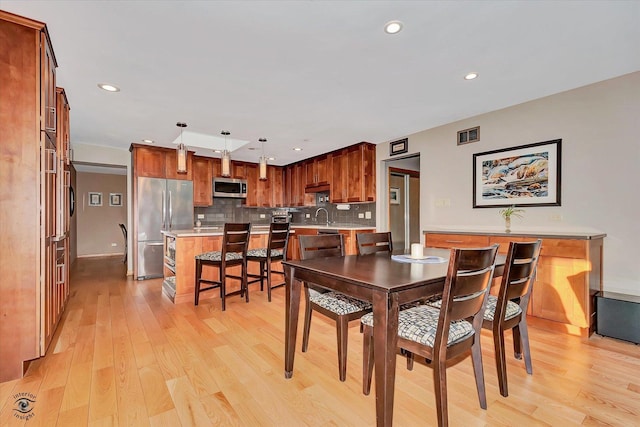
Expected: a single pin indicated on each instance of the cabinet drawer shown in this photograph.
(564, 248)
(504, 242)
(455, 241)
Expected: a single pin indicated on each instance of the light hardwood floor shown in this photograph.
(124, 355)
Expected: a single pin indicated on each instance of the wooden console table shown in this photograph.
(569, 273)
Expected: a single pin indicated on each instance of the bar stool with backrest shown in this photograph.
(276, 250)
(440, 335)
(370, 243)
(235, 242)
(334, 305)
(508, 310)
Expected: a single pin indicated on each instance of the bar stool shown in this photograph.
(235, 242)
(276, 250)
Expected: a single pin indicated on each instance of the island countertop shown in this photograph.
(217, 230)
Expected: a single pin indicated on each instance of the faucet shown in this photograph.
(325, 211)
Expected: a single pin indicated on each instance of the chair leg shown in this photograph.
(476, 358)
(198, 277)
(267, 269)
(307, 322)
(409, 356)
(262, 265)
(501, 364)
(524, 333)
(367, 359)
(517, 342)
(223, 288)
(245, 281)
(440, 385)
(342, 328)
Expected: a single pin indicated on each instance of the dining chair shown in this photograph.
(370, 243)
(235, 241)
(336, 306)
(276, 250)
(508, 310)
(123, 228)
(440, 335)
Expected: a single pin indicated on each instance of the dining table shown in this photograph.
(386, 281)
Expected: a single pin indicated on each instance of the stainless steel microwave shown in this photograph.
(229, 187)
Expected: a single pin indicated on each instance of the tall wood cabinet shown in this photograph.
(569, 274)
(33, 219)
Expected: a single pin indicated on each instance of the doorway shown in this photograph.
(403, 201)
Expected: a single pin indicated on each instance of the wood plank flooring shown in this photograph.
(124, 355)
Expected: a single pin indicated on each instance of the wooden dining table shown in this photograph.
(378, 279)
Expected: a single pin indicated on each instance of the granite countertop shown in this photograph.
(492, 231)
(217, 230)
(336, 226)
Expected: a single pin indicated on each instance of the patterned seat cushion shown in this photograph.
(512, 310)
(262, 253)
(337, 302)
(420, 323)
(217, 256)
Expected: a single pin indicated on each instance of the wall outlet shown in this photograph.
(367, 214)
(360, 215)
(262, 216)
(307, 215)
(114, 244)
(200, 216)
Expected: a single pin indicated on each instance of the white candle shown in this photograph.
(416, 250)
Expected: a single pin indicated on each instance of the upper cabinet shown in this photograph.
(339, 178)
(156, 162)
(202, 181)
(361, 182)
(318, 172)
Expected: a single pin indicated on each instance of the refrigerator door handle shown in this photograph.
(170, 211)
(164, 212)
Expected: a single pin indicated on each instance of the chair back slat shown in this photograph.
(369, 243)
(321, 246)
(236, 238)
(279, 236)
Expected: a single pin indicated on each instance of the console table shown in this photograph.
(569, 273)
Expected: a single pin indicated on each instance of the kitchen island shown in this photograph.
(181, 247)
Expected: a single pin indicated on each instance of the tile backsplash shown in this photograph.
(231, 210)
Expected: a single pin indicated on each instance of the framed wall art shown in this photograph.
(527, 175)
(394, 196)
(399, 147)
(115, 199)
(95, 199)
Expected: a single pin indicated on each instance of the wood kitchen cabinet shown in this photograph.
(339, 178)
(202, 181)
(33, 270)
(158, 162)
(361, 181)
(318, 172)
(569, 274)
(276, 176)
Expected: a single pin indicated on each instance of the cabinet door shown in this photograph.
(149, 162)
(202, 181)
(251, 175)
(238, 170)
(264, 196)
(276, 176)
(48, 88)
(339, 177)
(448, 241)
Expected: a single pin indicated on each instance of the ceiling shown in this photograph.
(319, 75)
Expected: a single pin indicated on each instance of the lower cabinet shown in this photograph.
(349, 236)
(568, 276)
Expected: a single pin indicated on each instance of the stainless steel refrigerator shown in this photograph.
(163, 204)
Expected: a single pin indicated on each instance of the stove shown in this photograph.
(280, 216)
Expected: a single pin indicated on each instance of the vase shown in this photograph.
(507, 225)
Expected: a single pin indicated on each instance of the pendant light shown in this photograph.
(263, 161)
(226, 156)
(181, 151)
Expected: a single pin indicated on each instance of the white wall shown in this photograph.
(599, 126)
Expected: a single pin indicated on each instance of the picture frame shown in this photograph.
(394, 196)
(398, 147)
(115, 199)
(526, 175)
(95, 199)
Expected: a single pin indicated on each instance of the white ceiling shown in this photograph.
(319, 74)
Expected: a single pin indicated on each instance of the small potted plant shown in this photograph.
(507, 213)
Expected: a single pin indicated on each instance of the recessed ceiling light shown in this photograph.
(471, 76)
(148, 141)
(108, 87)
(392, 27)
(217, 151)
(272, 158)
(297, 149)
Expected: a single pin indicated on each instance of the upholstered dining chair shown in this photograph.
(276, 250)
(341, 308)
(440, 335)
(370, 243)
(508, 310)
(235, 242)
